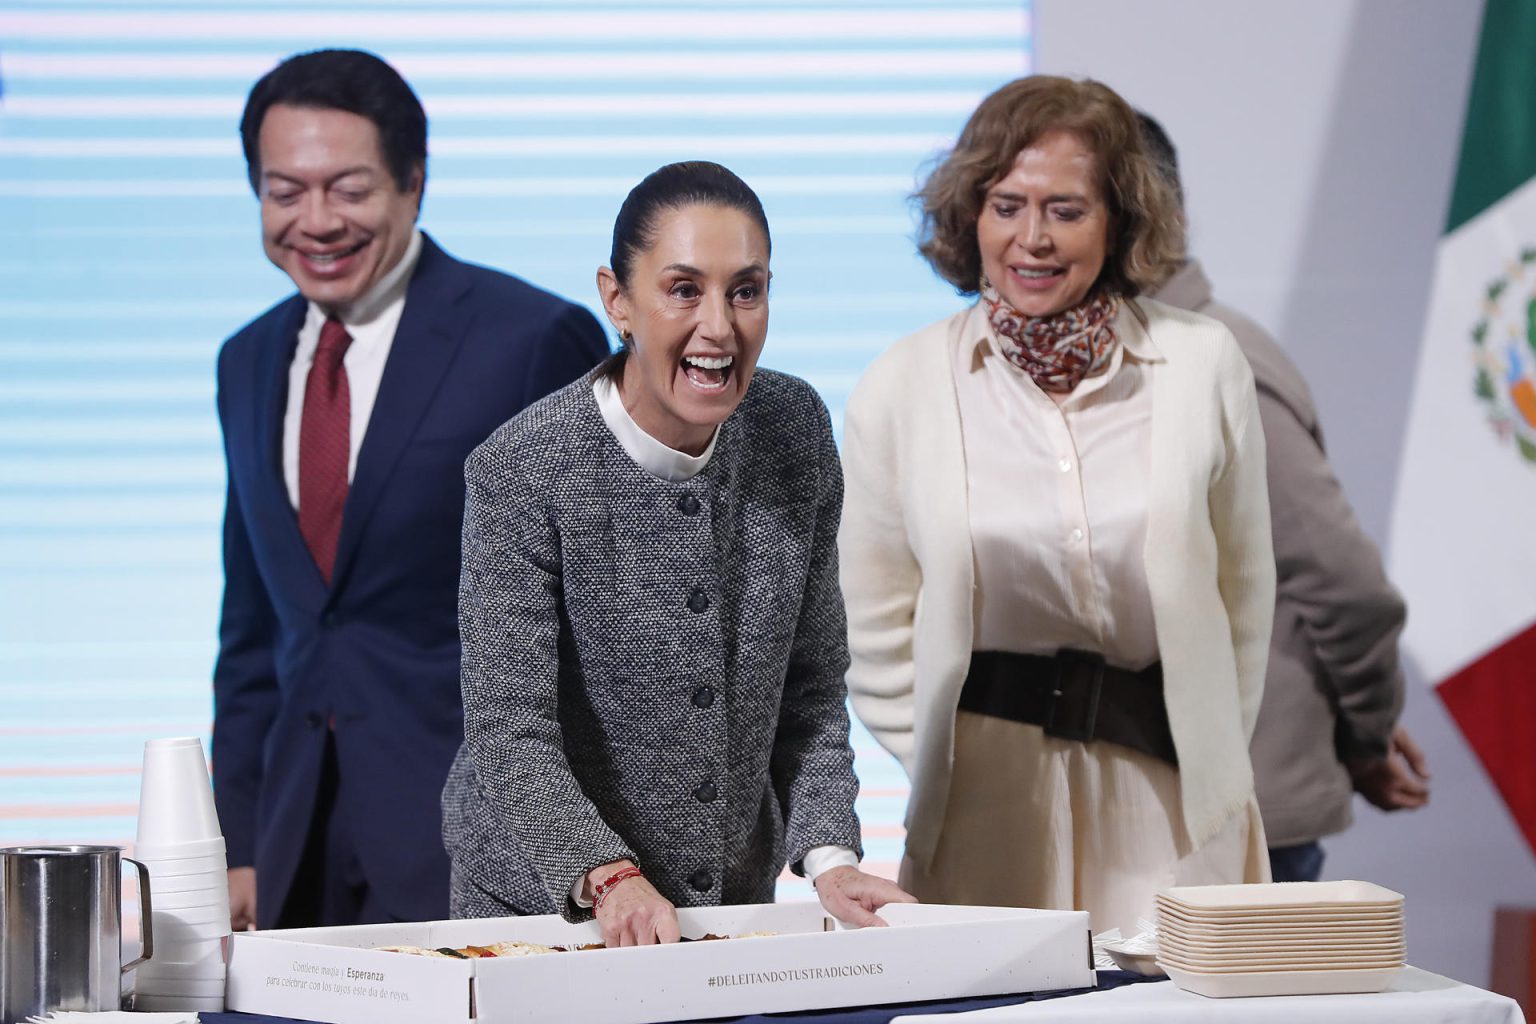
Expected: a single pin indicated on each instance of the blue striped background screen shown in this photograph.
(129, 250)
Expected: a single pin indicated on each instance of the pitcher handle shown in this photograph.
(146, 924)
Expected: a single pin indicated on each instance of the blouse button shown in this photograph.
(688, 505)
(704, 697)
(1065, 465)
(698, 602)
(1077, 534)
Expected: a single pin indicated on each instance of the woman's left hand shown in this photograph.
(852, 896)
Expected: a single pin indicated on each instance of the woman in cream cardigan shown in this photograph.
(1055, 545)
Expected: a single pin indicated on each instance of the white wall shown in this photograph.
(1317, 140)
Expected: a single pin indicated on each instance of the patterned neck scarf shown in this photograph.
(1059, 350)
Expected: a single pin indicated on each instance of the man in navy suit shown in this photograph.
(348, 411)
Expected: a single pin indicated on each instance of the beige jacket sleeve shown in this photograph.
(880, 576)
(1332, 575)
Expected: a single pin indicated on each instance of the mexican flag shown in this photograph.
(1464, 524)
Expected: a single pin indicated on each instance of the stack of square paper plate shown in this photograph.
(1282, 938)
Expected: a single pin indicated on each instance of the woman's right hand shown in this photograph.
(633, 913)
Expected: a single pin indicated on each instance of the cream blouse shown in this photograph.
(1058, 501)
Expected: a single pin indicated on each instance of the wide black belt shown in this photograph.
(1073, 695)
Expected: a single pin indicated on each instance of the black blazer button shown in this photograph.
(704, 697)
(705, 792)
(698, 602)
(313, 720)
(703, 880)
(688, 505)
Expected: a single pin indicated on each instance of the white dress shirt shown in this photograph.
(371, 321)
(1058, 503)
(674, 466)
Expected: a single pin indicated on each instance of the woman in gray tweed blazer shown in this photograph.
(654, 638)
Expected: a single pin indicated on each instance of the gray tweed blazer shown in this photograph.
(651, 670)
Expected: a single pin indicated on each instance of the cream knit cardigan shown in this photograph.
(907, 567)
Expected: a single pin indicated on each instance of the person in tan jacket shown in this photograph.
(1328, 723)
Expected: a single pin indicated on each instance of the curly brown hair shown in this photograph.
(1146, 233)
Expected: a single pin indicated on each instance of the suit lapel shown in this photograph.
(271, 491)
(431, 329)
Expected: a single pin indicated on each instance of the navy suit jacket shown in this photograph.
(377, 652)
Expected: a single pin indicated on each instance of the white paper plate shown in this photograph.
(1265, 896)
(1166, 958)
(1308, 962)
(1256, 944)
(1280, 938)
(1292, 936)
(1326, 922)
(1142, 963)
(1396, 951)
(1281, 983)
(1316, 919)
(1240, 943)
(1303, 962)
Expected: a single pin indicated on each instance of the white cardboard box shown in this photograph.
(930, 952)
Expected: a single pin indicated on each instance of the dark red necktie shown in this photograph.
(325, 447)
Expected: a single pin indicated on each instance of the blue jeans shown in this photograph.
(1300, 863)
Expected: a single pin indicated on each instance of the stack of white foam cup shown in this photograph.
(180, 842)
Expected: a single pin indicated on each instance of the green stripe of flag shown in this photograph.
(1498, 145)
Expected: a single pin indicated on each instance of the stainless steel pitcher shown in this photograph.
(61, 929)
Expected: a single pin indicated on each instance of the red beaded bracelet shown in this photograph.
(601, 890)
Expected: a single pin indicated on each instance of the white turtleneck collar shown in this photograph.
(649, 454)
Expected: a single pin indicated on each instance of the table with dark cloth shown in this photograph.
(855, 1015)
